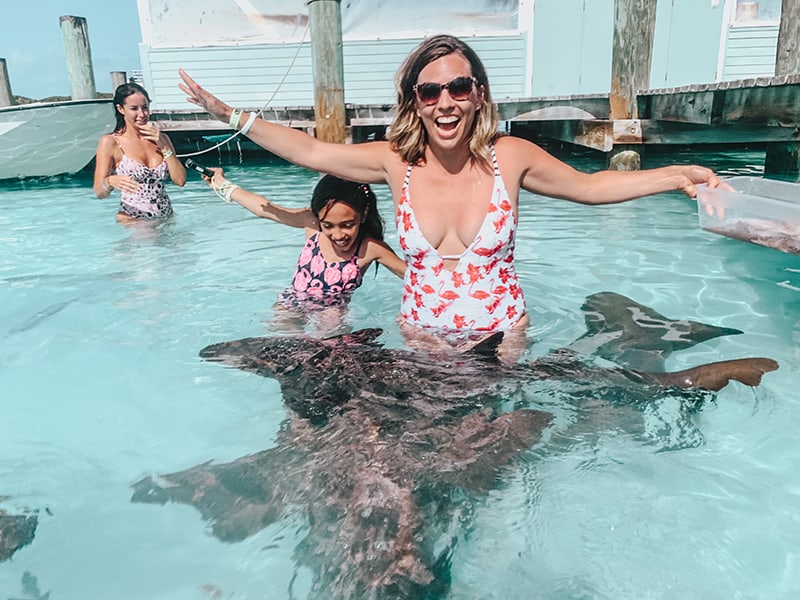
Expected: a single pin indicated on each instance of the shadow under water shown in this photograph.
(382, 445)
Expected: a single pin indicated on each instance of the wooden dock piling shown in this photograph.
(117, 79)
(325, 17)
(783, 158)
(632, 53)
(75, 33)
(6, 97)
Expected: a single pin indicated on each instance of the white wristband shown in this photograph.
(248, 124)
(229, 192)
(233, 122)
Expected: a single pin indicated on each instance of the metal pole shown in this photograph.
(75, 32)
(325, 19)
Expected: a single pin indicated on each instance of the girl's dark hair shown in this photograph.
(358, 196)
(123, 91)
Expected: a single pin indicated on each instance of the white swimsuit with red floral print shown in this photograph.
(482, 292)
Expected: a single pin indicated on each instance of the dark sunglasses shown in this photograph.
(459, 89)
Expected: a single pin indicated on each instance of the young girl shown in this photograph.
(344, 236)
(136, 158)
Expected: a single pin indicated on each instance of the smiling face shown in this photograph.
(448, 122)
(340, 223)
(135, 109)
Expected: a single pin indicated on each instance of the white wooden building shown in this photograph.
(255, 53)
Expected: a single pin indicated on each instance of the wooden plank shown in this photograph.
(601, 134)
(663, 132)
(762, 105)
(691, 107)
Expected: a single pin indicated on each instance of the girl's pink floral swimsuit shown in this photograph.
(482, 292)
(317, 281)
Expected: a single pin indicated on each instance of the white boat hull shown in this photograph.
(52, 138)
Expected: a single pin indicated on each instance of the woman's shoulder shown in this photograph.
(107, 141)
(512, 143)
(514, 150)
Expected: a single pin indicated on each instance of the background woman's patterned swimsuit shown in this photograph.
(151, 199)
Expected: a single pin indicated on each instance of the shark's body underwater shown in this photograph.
(380, 441)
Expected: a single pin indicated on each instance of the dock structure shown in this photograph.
(761, 110)
(633, 113)
(766, 109)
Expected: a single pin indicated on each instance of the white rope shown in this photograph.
(266, 104)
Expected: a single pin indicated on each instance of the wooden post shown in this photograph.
(6, 97)
(325, 18)
(117, 79)
(787, 56)
(783, 158)
(632, 51)
(75, 33)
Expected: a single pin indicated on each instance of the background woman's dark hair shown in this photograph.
(123, 91)
(358, 196)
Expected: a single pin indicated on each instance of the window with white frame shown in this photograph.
(757, 12)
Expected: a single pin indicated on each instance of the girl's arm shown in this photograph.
(261, 206)
(367, 162)
(383, 253)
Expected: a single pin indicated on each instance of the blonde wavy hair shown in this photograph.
(407, 135)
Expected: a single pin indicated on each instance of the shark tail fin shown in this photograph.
(715, 376)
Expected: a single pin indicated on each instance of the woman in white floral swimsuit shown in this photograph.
(444, 151)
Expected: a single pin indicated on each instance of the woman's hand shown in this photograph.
(694, 175)
(151, 132)
(218, 179)
(123, 183)
(197, 95)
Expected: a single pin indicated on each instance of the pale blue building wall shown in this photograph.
(569, 53)
(572, 42)
(686, 46)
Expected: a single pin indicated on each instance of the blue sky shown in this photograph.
(32, 45)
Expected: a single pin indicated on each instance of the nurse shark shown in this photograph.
(382, 445)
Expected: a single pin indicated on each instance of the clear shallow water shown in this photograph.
(101, 385)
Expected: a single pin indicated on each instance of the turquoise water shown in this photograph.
(100, 326)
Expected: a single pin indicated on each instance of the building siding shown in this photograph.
(280, 75)
(750, 52)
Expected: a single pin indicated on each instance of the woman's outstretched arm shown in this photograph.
(365, 162)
